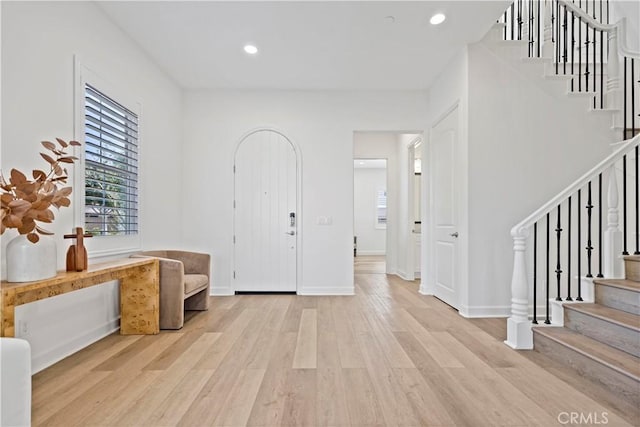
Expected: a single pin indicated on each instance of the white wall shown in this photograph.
(631, 11)
(366, 183)
(526, 143)
(322, 124)
(39, 41)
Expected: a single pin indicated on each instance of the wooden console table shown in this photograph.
(139, 293)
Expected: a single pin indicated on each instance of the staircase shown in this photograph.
(601, 340)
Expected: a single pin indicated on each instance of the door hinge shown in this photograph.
(234, 204)
(234, 274)
(234, 239)
(234, 168)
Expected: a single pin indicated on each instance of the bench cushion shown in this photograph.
(194, 282)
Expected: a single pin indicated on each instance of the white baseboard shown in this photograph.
(221, 292)
(424, 290)
(485, 311)
(321, 291)
(59, 352)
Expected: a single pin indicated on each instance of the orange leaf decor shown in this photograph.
(25, 202)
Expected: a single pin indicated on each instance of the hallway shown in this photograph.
(386, 356)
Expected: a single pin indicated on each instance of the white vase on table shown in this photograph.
(28, 261)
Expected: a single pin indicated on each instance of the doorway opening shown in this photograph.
(370, 215)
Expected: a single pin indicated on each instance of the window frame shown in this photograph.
(103, 245)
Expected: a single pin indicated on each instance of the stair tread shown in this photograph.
(622, 318)
(629, 285)
(632, 258)
(619, 360)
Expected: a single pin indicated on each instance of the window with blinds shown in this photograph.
(111, 166)
(381, 209)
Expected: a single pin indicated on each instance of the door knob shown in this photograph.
(290, 233)
(454, 234)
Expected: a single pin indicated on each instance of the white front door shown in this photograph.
(265, 213)
(444, 141)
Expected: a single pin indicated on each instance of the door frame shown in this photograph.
(299, 213)
(411, 242)
(427, 286)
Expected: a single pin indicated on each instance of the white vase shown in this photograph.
(28, 261)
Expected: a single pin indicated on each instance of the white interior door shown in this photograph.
(265, 216)
(444, 141)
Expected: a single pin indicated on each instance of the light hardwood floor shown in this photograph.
(385, 357)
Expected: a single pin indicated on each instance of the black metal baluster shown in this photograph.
(624, 99)
(547, 320)
(558, 267)
(589, 247)
(573, 48)
(568, 298)
(624, 206)
(531, 28)
(599, 226)
(535, 272)
(513, 27)
(601, 69)
(579, 246)
(565, 30)
(538, 25)
(637, 251)
(633, 100)
(505, 26)
(586, 52)
(580, 52)
(556, 25)
(520, 19)
(594, 57)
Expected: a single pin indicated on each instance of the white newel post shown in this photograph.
(547, 44)
(519, 334)
(614, 98)
(612, 250)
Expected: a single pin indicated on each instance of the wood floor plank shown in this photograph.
(300, 399)
(212, 359)
(240, 399)
(386, 356)
(178, 402)
(440, 353)
(154, 397)
(350, 355)
(306, 354)
(363, 406)
(269, 405)
(66, 374)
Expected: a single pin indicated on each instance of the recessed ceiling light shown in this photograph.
(437, 19)
(250, 49)
(390, 19)
(362, 163)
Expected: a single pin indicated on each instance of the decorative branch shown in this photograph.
(26, 202)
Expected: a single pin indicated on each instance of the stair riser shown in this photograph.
(612, 334)
(632, 270)
(623, 386)
(620, 299)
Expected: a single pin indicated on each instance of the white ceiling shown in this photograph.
(345, 45)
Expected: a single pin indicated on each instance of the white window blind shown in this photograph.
(381, 208)
(111, 166)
